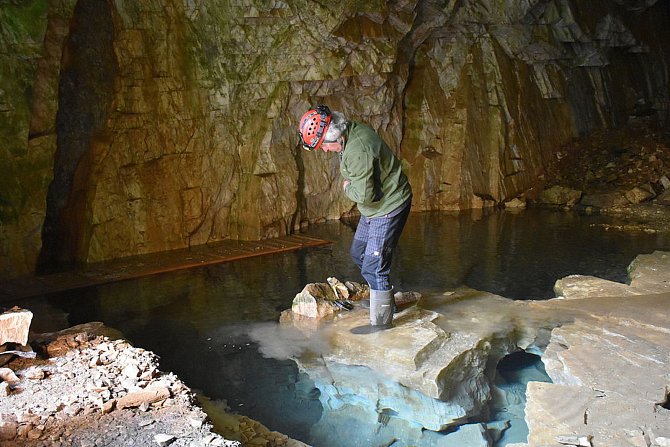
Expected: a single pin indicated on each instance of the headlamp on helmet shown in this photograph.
(313, 126)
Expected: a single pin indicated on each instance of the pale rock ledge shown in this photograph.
(608, 355)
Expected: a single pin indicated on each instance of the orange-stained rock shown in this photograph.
(15, 325)
(194, 140)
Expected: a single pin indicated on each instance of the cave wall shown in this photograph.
(135, 127)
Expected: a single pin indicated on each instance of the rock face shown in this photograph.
(135, 127)
(604, 346)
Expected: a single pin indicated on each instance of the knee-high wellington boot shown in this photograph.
(381, 307)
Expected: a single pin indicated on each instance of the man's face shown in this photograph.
(329, 146)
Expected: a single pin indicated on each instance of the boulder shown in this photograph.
(664, 198)
(580, 286)
(149, 395)
(357, 291)
(665, 182)
(648, 275)
(406, 299)
(8, 430)
(604, 200)
(163, 439)
(302, 322)
(7, 375)
(515, 203)
(15, 325)
(315, 301)
(339, 288)
(559, 196)
(320, 300)
(639, 194)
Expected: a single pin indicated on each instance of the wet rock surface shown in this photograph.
(604, 346)
(609, 363)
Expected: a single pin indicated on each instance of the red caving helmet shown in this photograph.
(313, 126)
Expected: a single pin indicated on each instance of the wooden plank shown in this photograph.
(152, 264)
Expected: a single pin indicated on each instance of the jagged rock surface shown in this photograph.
(164, 124)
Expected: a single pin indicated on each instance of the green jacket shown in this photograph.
(378, 184)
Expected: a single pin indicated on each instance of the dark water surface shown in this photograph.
(198, 320)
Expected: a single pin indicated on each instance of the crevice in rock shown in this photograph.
(85, 92)
(431, 19)
(508, 403)
(300, 200)
(665, 403)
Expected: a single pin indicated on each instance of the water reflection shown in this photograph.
(516, 255)
(200, 321)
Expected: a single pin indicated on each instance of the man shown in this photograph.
(373, 178)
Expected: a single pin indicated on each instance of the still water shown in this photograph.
(198, 321)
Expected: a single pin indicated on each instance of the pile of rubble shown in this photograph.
(79, 387)
(321, 301)
(623, 172)
(608, 160)
(88, 390)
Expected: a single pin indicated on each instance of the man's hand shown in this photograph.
(345, 184)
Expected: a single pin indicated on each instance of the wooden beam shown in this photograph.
(151, 264)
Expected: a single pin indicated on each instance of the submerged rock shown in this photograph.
(424, 374)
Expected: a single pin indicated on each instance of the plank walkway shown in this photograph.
(151, 264)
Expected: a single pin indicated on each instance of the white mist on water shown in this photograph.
(287, 342)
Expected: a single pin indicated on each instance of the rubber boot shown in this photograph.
(365, 304)
(381, 312)
(381, 307)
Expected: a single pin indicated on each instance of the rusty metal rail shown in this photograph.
(151, 264)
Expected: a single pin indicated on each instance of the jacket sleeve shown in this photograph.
(360, 170)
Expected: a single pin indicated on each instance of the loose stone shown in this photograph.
(164, 439)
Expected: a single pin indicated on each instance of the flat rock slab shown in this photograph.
(606, 348)
(648, 274)
(610, 363)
